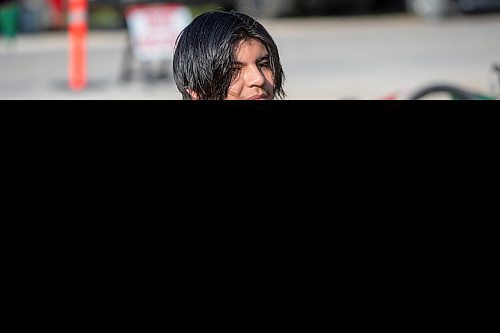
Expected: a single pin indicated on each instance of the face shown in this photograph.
(253, 78)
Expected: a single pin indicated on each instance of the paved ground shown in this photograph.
(324, 58)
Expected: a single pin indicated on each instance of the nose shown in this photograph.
(255, 77)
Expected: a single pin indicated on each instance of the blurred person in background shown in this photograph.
(9, 14)
(57, 14)
(227, 55)
(42, 15)
(33, 15)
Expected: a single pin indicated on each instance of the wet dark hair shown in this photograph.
(205, 53)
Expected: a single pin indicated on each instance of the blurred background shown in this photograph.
(330, 49)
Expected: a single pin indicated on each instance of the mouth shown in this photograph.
(260, 97)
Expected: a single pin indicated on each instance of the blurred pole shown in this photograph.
(77, 29)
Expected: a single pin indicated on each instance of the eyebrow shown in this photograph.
(264, 58)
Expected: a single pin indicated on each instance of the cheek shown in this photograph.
(236, 88)
(270, 77)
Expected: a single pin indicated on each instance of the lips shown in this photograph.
(259, 97)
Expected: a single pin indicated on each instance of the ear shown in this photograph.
(194, 96)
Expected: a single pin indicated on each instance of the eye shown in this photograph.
(236, 72)
(265, 64)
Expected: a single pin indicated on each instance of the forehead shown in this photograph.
(250, 48)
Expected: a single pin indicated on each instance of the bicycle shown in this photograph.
(456, 92)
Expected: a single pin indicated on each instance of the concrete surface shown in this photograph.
(324, 59)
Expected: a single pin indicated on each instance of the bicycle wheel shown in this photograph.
(450, 91)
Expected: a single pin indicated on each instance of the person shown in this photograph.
(57, 14)
(227, 55)
(32, 18)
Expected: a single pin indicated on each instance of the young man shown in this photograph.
(227, 56)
